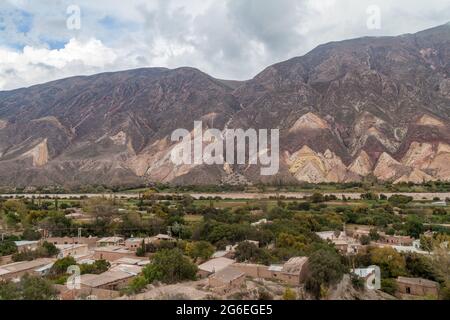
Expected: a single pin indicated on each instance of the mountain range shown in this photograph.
(373, 106)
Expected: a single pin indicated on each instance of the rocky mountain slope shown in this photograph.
(346, 110)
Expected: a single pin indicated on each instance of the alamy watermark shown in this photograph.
(374, 19)
(73, 21)
(373, 281)
(231, 146)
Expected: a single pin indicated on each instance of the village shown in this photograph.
(178, 264)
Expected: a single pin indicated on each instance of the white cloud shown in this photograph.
(232, 39)
(34, 65)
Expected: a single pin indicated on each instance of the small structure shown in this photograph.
(343, 243)
(226, 280)
(330, 235)
(293, 272)
(415, 248)
(110, 241)
(113, 253)
(396, 240)
(223, 254)
(116, 278)
(416, 287)
(72, 250)
(18, 269)
(213, 266)
(160, 238)
(91, 242)
(132, 261)
(85, 293)
(133, 243)
(26, 245)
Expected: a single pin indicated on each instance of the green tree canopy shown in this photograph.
(170, 266)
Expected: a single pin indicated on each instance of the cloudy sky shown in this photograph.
(43, 40)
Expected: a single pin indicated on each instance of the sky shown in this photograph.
(44, 40)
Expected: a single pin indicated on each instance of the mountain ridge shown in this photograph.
(351, 103)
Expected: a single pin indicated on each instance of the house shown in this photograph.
(72, 250)
(330, 235)
(415, 248)
(18, 269)
(113, 253)
(232, 248)
(213, 266)
(342, 242)
(110, 241)
(135, 243)
(109, 280)
(226, 280)
(85, 293)
(91, 242)
(115, 278)
(161, 237)
(357, 231)
(26, 245)
(293, 272)
(223, 254)
(132, 261)
(416, 287)
(396, 240)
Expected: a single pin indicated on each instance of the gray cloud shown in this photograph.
(232, 39)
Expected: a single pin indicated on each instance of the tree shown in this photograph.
(426, 243)
(9, 291)
(137, 285)
(370, 196)
(365, 240)
(373, 234)
(36, 288)
(31, 235)
(420, 266)
(389, 286)
(29, 288)
(7, 247)
(289, 294)
(60, 266)
(97, 267)
(249, 252)
(142, 250)
(325, 269)
(317, 198)
(100, 208)
(201, 250)
(170, 266)
(398, 199)
(391, 263)
(414, 228)
(50, 248)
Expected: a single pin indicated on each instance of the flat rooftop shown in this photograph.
(215, 265)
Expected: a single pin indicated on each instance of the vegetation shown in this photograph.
(325, 269)
(28, 288)
(170, 266)
(282, 227)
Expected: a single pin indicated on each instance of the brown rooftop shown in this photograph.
(228, 274)
(295, 265)
(418, 281)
